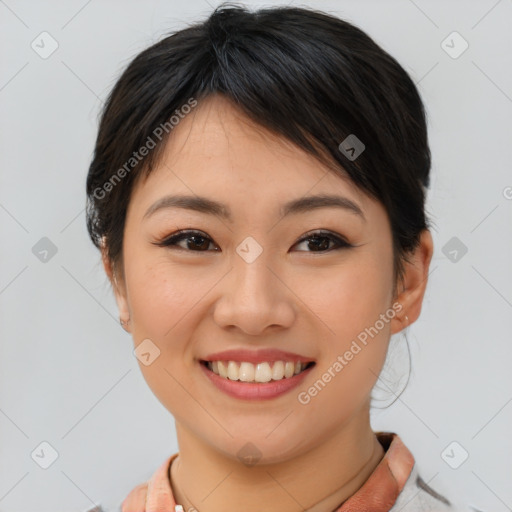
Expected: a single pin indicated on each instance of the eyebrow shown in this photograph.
(301, 205)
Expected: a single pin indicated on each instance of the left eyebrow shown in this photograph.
(296, 206)
(308, 203)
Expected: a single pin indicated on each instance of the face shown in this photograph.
(295, 285)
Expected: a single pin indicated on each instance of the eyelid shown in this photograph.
(164, 242)
(321, 233)
(340, 241)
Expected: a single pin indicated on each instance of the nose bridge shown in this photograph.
(251, 263)
(254, 299)
(252, 277)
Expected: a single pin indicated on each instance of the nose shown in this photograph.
(254, 298)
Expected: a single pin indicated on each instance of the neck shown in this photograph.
(318, 480)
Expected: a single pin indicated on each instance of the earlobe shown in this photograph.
(414, 283)
(118, 288)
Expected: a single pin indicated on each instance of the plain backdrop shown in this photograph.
(68, 376)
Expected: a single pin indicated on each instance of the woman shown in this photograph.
(257, 193)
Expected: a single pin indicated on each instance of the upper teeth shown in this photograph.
(261, 372)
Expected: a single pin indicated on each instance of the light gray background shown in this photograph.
(68, 375)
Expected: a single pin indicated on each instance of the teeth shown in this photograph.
(233, 371)
(278, 370)
(261, 372)
(289, 369)
(222, 369)
(246, 372)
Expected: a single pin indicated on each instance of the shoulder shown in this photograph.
(154, 494)
(418, 496)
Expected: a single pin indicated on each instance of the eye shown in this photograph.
(321, 240)
(195, 241)
(198, 241)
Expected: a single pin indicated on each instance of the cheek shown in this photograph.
(351, 359)
(159, 299)
(162, 303)
(160, 294)
(350, 296)
(353, 305)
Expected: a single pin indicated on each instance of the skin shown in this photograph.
(294, 297)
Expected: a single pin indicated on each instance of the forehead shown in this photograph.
(217, 150)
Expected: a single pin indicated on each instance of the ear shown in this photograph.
(414, 283)
(118, 286)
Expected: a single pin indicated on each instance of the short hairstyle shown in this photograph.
(305, 75)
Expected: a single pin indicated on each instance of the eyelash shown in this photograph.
(184, 234)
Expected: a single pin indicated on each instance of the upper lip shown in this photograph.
(257, 356)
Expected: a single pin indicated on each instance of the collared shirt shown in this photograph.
(394, 485)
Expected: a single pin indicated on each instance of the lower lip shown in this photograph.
(255, 390)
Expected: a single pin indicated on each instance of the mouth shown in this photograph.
(263, 380)
(261, 372)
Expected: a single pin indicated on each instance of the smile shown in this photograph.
(263, 374)
(260, 372)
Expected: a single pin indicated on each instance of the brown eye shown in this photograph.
(194, 241)
(320, 241)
